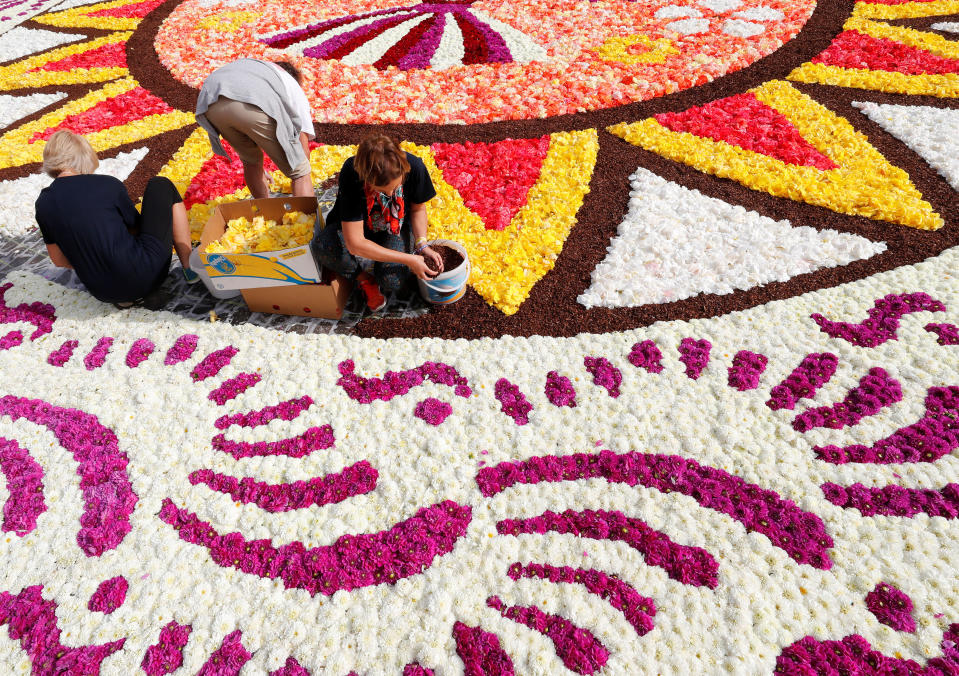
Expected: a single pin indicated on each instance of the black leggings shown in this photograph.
(156, 219)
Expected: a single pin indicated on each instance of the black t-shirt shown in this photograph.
(87, 216)
(350, 202)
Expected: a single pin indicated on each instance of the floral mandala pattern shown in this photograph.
(710, 427)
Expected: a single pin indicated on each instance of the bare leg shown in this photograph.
(303, 186)
(256, 180)
(181, 235)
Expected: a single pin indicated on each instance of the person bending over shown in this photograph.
(376, 231)
(89, 223)
(259, 107)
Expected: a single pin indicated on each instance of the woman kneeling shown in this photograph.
(89, 223)
(376, 232)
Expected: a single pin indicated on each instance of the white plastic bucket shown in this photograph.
(450, 285)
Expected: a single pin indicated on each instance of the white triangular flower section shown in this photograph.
(760, 13)
(742, 29)
(720, 6)
(689, 26)
(676, 243)
(21, 42)
(13, 108)
(947, 26)
(18, 196)
(933, 133)
(521, 47)
(451, 49)
(676, 12)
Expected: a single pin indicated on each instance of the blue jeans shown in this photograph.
(330, 251)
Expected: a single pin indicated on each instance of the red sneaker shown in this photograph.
(374, 299)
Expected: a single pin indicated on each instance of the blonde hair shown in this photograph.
(379, 161)
(66, 151)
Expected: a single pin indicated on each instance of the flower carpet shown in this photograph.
(697, 413)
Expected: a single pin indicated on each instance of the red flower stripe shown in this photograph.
(228, 659)
(352, 562)
(882, 321)
(403, 46)
(854, 656)
(800, 534)
(876, 390)
(895, 500)
(638, 610)
(852, 49)
(41, 315)
(62, 354)
(396, 383)
(166, 656)
(108, 56)
(891, 607)
(109, 595)
(494, 179)
(287, 410)
(935, 434)
(232, 388)
(139, 352)
(578, 648)
(481, 652)
(512, 401)
(357, 479)
(182, 349)
(135, 11)
(108, 497)
(689, 565)
(123, 109)
(290, 668)
(25, 488)
(604, 374)
(213, 363)
(33, 620)
(948, 333)
(314, 439)
(813, 372)
(745, 121)
(98, 355)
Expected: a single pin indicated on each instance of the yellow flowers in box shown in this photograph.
(261, 234)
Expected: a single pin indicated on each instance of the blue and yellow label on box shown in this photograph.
(272, 268)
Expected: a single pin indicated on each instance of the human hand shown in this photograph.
(435, 257)
(419, 268)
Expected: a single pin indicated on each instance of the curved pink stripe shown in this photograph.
(813, 372)
(638, 610)
(23, 474)
(32, 620)
(856, 657)
(882, 320)
(41, 315)
(108, 497)
(395, 383)
(213, 363)
(800, 534)
(182, 349)
(234, 387)
(876, 390)
(481, 652)
(166, 655)
(290, 668)
(895, 500)
(578, 648)
(352, 562)
(686, 564)
(948, 333)
(357, 479)
(287, 410)
(314, 439)
(228, 659)
(934, 435)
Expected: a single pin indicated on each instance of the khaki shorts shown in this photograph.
(251, 132)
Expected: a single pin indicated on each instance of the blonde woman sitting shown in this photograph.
(89, 224)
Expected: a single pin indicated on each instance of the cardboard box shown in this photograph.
(325, 300)
(265, 269)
